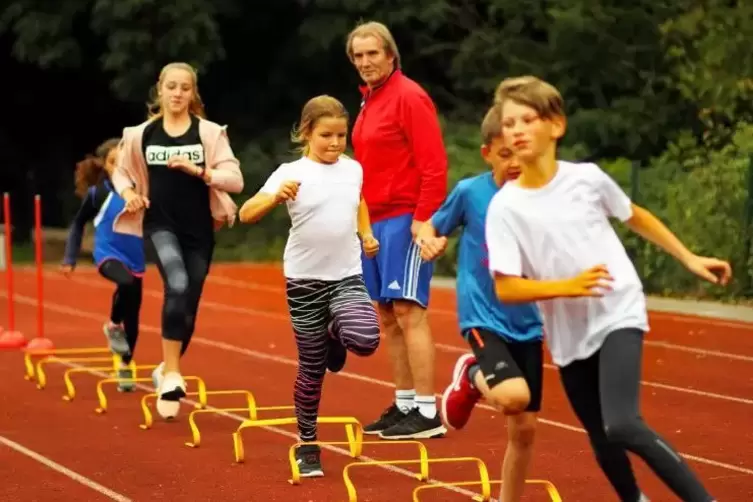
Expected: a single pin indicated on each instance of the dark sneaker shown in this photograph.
(415, 426)
(309, 461)
(390, 417)
(336, 352)
(125, 377)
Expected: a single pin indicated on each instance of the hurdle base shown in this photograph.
(40, 343)
(12, 340)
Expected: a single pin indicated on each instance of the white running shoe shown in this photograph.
(171, 391)
(157, 376)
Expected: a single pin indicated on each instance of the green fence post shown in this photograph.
(747, 231)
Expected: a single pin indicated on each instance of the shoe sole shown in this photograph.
(436, 432)
(374, 432)
(457, 374)
(316, 473)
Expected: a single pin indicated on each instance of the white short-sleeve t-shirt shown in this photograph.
(323, 242)
(557, 232)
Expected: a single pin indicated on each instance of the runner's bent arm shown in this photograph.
(364, 222)
(86, 212)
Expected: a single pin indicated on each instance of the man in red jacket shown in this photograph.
(398, 141)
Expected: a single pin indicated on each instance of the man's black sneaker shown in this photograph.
(415, 426)
(390, 417)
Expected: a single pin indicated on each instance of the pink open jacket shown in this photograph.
(131, 172)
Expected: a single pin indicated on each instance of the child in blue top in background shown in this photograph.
(119, 257)
(507, 362)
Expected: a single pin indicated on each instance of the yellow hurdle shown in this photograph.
(135, 368)
(423, 456)
(28, 354)
(42, 376)
(102, 398)
(353, 430)
(149, 418)
(71, 390)
(482, 470)
(195, 434)
(250, 408)
(486, 488)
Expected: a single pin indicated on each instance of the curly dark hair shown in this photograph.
(91, 170)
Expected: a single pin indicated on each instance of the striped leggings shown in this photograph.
(312, 305)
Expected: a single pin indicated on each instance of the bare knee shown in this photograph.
(510, 396)
(410, 316)
(521, 430)
(387, 319)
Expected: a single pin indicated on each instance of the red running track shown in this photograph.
(698, 376)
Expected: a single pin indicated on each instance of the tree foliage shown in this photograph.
(665, 85)
(130, 39)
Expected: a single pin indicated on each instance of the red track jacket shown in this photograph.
(398, 141)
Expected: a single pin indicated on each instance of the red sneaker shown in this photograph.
(460, 396)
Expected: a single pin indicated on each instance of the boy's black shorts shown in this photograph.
(501, 360)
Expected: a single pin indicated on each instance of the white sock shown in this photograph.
(405, 400)
(427, 406)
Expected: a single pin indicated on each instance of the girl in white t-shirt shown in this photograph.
(329, 305)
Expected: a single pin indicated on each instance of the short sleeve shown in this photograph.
(359, 169)
(451, 214)
(273, 182)
(613, 198)
(501, 242)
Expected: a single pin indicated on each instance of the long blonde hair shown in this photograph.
(196, 107)
(316, 108)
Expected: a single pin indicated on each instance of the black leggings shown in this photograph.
(126, 301)
(183, 270)
(604, 393)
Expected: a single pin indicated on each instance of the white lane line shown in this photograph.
(89, 483)
(353, 376)
(441, 346)
(282, 432)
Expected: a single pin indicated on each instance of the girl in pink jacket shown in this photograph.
(174, 172)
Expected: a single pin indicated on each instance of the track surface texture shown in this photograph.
(697, 381)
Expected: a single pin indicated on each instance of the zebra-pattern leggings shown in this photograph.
(313, 304)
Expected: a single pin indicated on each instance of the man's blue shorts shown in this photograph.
(397, 272)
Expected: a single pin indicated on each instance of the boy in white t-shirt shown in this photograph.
(329, 305)
(550, 241)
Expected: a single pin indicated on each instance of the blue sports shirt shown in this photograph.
(478, 306)
(102, 205)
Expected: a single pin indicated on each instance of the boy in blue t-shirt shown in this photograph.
(507, 362)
